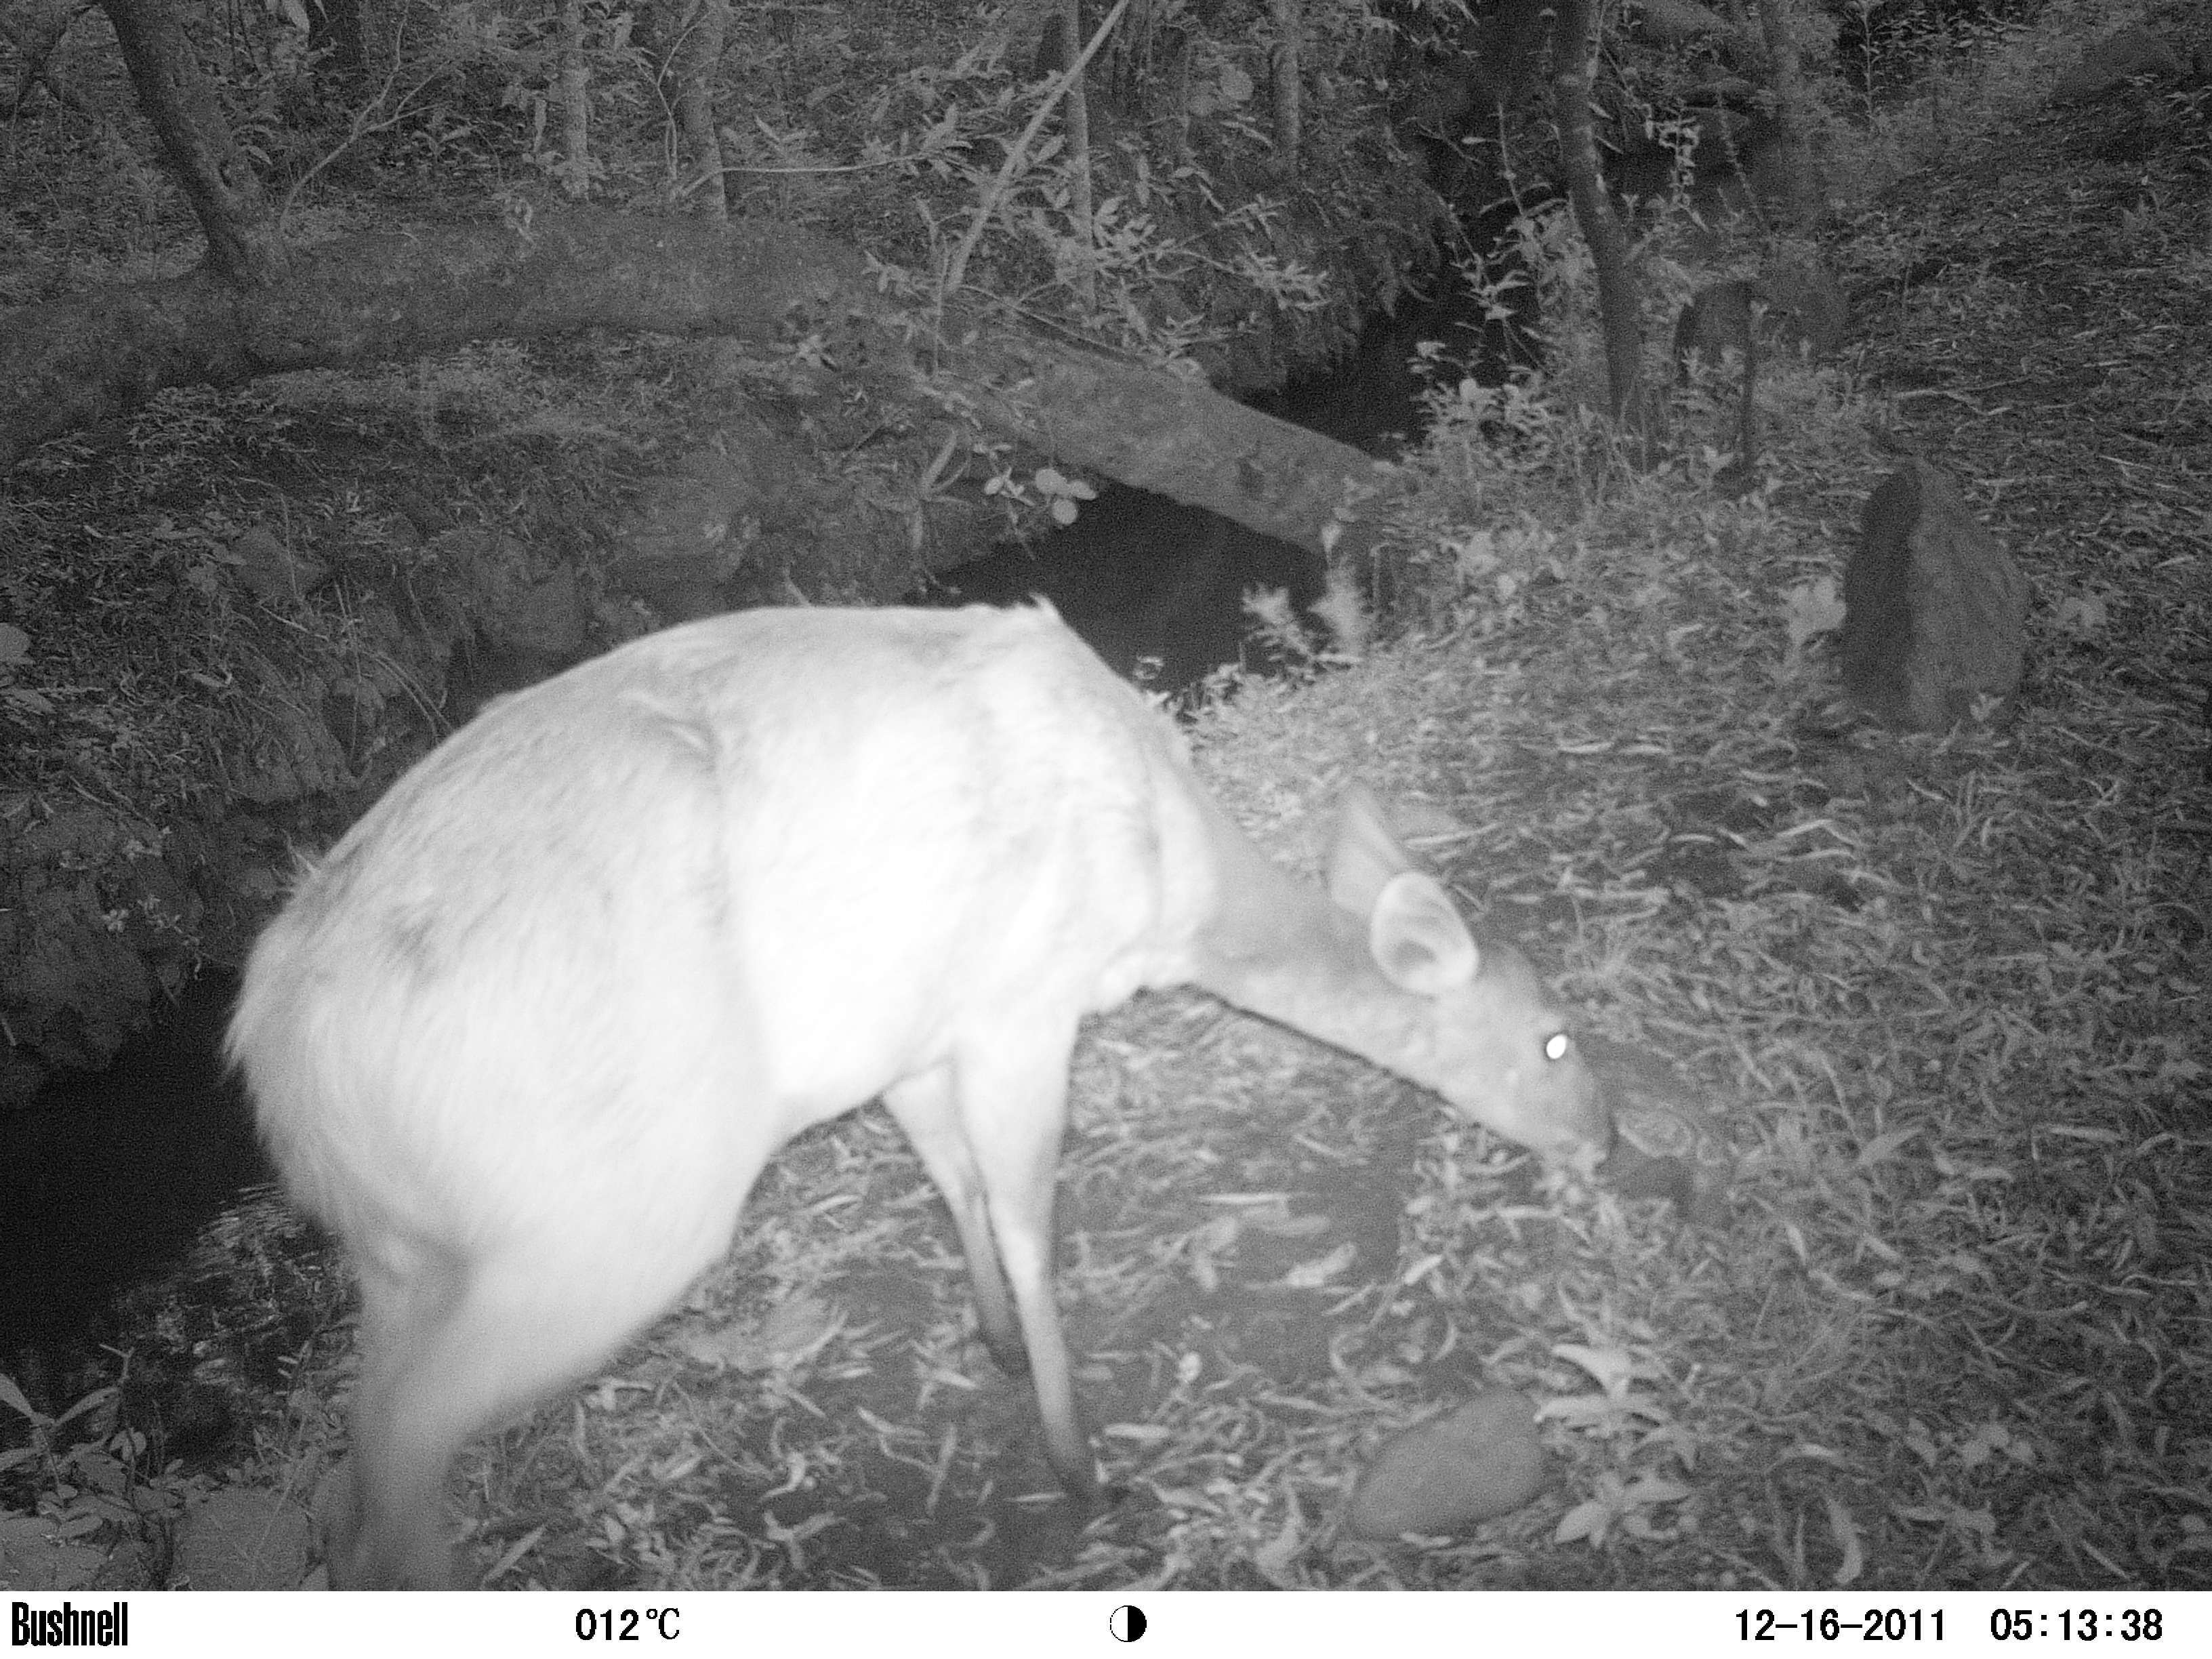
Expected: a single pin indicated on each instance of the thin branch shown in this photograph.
(956, 268)
(361, 125)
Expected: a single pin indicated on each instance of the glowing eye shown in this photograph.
(1555, 1046)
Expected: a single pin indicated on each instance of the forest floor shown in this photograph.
(1943, 999)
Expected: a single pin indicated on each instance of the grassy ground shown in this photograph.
(1944, 999)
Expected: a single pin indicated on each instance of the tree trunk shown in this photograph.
(1067, 80)
(363, 40)
(572, 102)
(381, 297)
(217, 174)
(695, 58)
(1079, 160)
(1572, 65)
(334, 26)
(1801, 189)
(1179, 97)
(1289, 113)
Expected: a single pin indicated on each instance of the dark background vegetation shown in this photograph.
(1940, 997)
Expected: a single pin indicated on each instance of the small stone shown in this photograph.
(1472, 1464)
(1935, 610)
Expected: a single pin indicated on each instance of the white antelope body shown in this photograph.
(526, 1037)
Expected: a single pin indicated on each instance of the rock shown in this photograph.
(546, 619)
(272, 572)
(1470, 1465)
(2114, 61)
(291, 751)
(1933, 607)
(687, 534)
(73, 988)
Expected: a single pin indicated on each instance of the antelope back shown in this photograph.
(527, 1035)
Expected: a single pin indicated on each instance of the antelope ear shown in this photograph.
(1363, 854)
(1417, 938)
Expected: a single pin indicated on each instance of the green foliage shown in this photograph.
(77, 1470)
